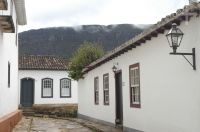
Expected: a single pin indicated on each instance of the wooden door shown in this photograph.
(27, 92)
(119, 98)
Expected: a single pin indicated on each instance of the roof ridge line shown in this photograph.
(186, 10)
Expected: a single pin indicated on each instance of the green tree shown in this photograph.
(83, 56)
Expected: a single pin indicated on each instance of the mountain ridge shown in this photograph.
(63, 41)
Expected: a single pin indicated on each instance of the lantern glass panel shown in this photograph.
(174, 36)
(175, 40)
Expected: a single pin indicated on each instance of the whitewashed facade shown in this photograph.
(8, 54)
(169, 87)
(45, 80)
(12, 14)
(38, 75)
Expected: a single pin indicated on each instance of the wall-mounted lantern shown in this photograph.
(115, 67)
(174, 37)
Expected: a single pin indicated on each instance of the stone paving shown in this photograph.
(35, 124)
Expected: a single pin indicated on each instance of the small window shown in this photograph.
(8, 74)
(65, 88)
(96, 90)
(106, 88)
(134, 85)
(47, 88)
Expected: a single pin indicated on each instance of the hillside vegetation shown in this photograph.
(63, 41)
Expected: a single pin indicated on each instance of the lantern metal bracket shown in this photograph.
(193, 63)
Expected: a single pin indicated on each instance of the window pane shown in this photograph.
(106, 96)
(47, 87)
(65, 87)
(106, 83)
(96, 84)
(65, 92)
(132, 95)
(47, 92)
(96, 97)
(135, 94)
(134, 85)
(132, 77)
(96, 90)
(106, 88)
(107, 99)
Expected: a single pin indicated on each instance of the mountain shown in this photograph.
(63, 41)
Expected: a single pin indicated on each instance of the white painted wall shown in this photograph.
(38, 75)
(8, 53)
(170, 99)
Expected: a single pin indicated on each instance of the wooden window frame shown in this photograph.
(137, 104)
(104, 90)
(51, 96)
(96, 91)
(61, 96)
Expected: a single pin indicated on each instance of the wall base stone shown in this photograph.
(8, 122)
(95, 120)
(125, 129)
(51, 110)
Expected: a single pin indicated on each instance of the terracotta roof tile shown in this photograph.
(33, 62)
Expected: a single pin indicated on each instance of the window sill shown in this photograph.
(106, 104)
(65, 96)
(47, 96)
(135, 105)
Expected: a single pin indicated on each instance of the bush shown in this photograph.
(83, 56)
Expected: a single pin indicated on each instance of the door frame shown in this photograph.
(120, 89)
(27, 78)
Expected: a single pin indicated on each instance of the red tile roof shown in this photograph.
(33, 62)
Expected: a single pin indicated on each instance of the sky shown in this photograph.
(57, 13)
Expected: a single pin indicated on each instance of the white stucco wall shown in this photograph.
(170, 99)
(38, 75)
(8, 53)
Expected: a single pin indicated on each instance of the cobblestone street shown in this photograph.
(30, 124)
(35, 124)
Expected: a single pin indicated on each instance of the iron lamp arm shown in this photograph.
(193, 63)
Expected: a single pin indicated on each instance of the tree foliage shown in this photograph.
(83, 56)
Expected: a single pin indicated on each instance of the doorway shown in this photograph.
(119, 98)
(27, 92)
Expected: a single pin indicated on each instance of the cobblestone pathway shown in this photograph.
(36, 124)
(30, 124)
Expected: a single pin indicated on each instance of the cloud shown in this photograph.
(51, 13)
(66, 11)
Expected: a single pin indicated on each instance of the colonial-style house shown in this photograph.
(12, 14)
(144, 85)
(45, 80)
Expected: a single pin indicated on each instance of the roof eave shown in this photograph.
(153, 31)
(20, 11)
(43, 69)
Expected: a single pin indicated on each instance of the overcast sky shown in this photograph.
(56, 13)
